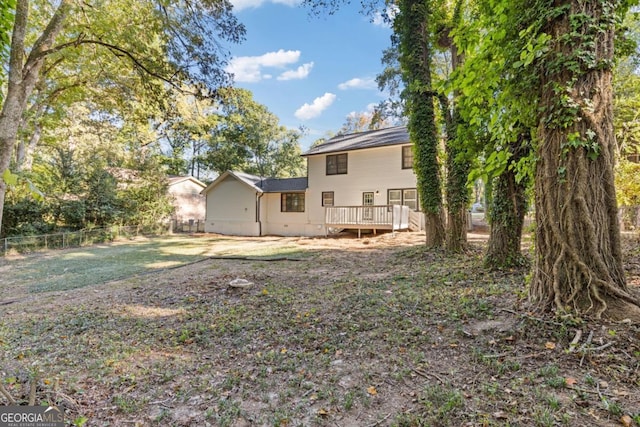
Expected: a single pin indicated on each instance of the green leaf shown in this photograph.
(9, 178)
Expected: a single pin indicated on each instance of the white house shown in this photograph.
(357, 181)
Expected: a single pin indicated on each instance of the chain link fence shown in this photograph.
(190, 226)
(70, 239)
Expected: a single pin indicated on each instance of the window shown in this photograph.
(327, 198)
(406, 196)
(407, 157)
(292, 202)
(337, 164)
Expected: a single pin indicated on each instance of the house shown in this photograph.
(357, 181)
(189, 203)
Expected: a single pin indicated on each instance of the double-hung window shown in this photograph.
(337, 164)
(407, 157)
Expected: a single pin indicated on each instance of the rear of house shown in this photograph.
(351, 182)
(372, 168)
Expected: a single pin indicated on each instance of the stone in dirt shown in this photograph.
(240, 283)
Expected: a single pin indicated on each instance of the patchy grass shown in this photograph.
(92, 265)
(367, 332)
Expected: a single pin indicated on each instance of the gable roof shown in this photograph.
(262, 184)
(173, 180)
(358, 141)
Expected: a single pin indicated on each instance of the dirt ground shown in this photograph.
(335, 331)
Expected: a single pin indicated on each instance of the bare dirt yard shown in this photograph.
(339, 331)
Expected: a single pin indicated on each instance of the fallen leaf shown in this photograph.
(626, 420)
(570, 381)
(322, 412)
(372, 391)
(550, 345)
(500, 415)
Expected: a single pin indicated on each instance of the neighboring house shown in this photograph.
(189, 203)
(357, 181)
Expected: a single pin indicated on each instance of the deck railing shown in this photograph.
(388, 217)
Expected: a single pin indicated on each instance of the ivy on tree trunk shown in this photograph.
(578, 258)
(507, 211)
(411, 26)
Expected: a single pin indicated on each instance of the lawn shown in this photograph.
(94, 265)
(334, 332)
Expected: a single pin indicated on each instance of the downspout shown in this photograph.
(258, 197)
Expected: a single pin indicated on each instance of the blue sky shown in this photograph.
(309, 71)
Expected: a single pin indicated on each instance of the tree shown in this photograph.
(450, 19)
(248, 137)
(6, 21)
(176, 42)
(578, 259)
(498, 113)
(411, 26)
(509, 203)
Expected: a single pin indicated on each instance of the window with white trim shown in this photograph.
(404, 196)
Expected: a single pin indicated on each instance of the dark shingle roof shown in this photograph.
(357, 141)
(273, 185)
(278, 185)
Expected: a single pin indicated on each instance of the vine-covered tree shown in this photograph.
(578, 259)
(499, 113)
(411, 25)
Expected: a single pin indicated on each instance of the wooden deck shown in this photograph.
(379, 217)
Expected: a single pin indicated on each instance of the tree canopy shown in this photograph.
(138, 48)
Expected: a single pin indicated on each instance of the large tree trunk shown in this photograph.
(23, 75)
(507, 211)
(578, 260)
(457, 193)
(507, 219)
(411, 25)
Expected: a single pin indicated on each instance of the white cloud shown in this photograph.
(379, 18)
(316, 108)
(300, 73)
(239, 5)
(248, 69)
(358, 83)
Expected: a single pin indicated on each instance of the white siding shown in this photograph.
(287, 223)
(375, 169)
(231, 209)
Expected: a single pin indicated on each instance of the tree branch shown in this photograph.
(119, 51)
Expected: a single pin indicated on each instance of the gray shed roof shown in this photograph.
(357, 141)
